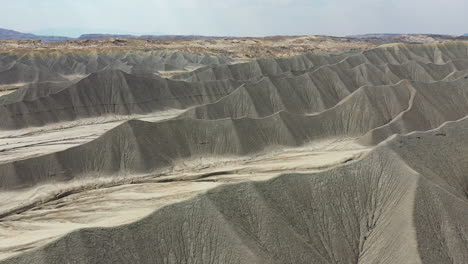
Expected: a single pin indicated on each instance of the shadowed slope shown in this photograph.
(33, 91)
(433, 104)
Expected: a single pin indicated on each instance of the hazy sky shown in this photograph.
(236, 17)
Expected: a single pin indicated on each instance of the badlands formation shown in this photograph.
(172, 157)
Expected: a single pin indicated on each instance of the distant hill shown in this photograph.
(16, 35)
(11, 34)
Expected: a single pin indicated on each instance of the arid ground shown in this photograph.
(307, 149)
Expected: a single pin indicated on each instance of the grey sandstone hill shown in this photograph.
(303, 84)
(321, 89)
(388, 207)
(387, 54)
(405, 201)
(143, 147)
(26, 67)
(103, 93)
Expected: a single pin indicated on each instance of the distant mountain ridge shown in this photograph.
(12, 34)
(16, 35)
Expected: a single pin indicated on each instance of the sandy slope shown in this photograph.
(122, 202)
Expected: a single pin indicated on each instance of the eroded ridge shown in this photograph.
(356, 184)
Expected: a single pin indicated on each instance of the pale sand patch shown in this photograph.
(6, 92)
(72, 77)
(9, 88)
